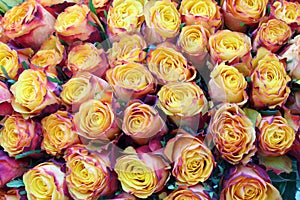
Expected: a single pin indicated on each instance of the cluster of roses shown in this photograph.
(107, 99)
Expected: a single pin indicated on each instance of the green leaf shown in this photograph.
(105, 14)
(92, 7)
(182, 25)
(11, 81)
(15, 183)
(268, 112)
(54, 80)
(63, 42)
(242, 24)
(253, 115)
(288, 61)
(4, 72)
(25, 154)
(268, 9)
(173, 187)
(23, 192)
(248, 79)
(25, 66)
(277, 164)
(163, 143)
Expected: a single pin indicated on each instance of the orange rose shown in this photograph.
(191, 193)
(9, 61)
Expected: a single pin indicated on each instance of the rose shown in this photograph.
(19, 135)
(9, 61)
(96, 120)
(232, 47)
(46, 180)
(269, 80)
(227, 84)
(129, 48)
(10, 168)
(119, 23)
(142, 122)
(75, 24)
(5, 100)
(12, 194)
(233, 134)
(86, 57)
(240, 14)
(193, 41)
(59, 132)
(88, 174)
(162, 21)
(82, 87)
(130, 81)
(184, 103)
(32, 93)
(194, 193)
(275, 136)
(248, 182)
(204, 12)
(28, 24)
(167, 64)
(141, 174)
(100, 5)
(272, 35)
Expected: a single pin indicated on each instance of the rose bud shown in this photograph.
(10, 168)
(59, 132)
(193, 41)
(82, 87)
(193, 160)
(32, 93)
(248, 182)
(86, 57)
(19, 135)
(96, 120)
(9, 61)
(47, 181)
(49, 55)
(129, 48)
(272, 35)
(141, 174)
(289, 12)
(233, 134)
(28, 24)
(269, 80)
(275, 136)
(227, 84)
(74, 24)
(12, 194)
(118, 23)
(88, 174)
(184, 103)
(142, 122)
(291, 53)
(5, 100)
(167, 64)
(131, 81)
(194, 193)
(160, 23)
(240, 14)
(205, 12)
(232, 47)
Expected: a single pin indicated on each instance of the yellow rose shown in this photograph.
(191, 193)
(86, 57)
(45, 181)
(32, 93)
(193, 160)
(269, 80)
(227, 84)
(233, 134)
(129, 48)
(184, 103)
(19, 135)
(141, 175)
(167, 64)
(82, 87)
(162, 21)
(96, 120)
(204, 12)
(29, 24)
(131, 21)
(248, 183)
(9, 61)
(74, 24)
(275, 136)
(232, 47)
(239, 14)
(59, 133)
(142, 122)
(88, 175)
(193, 41)
(272, 35)
(131, 81)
